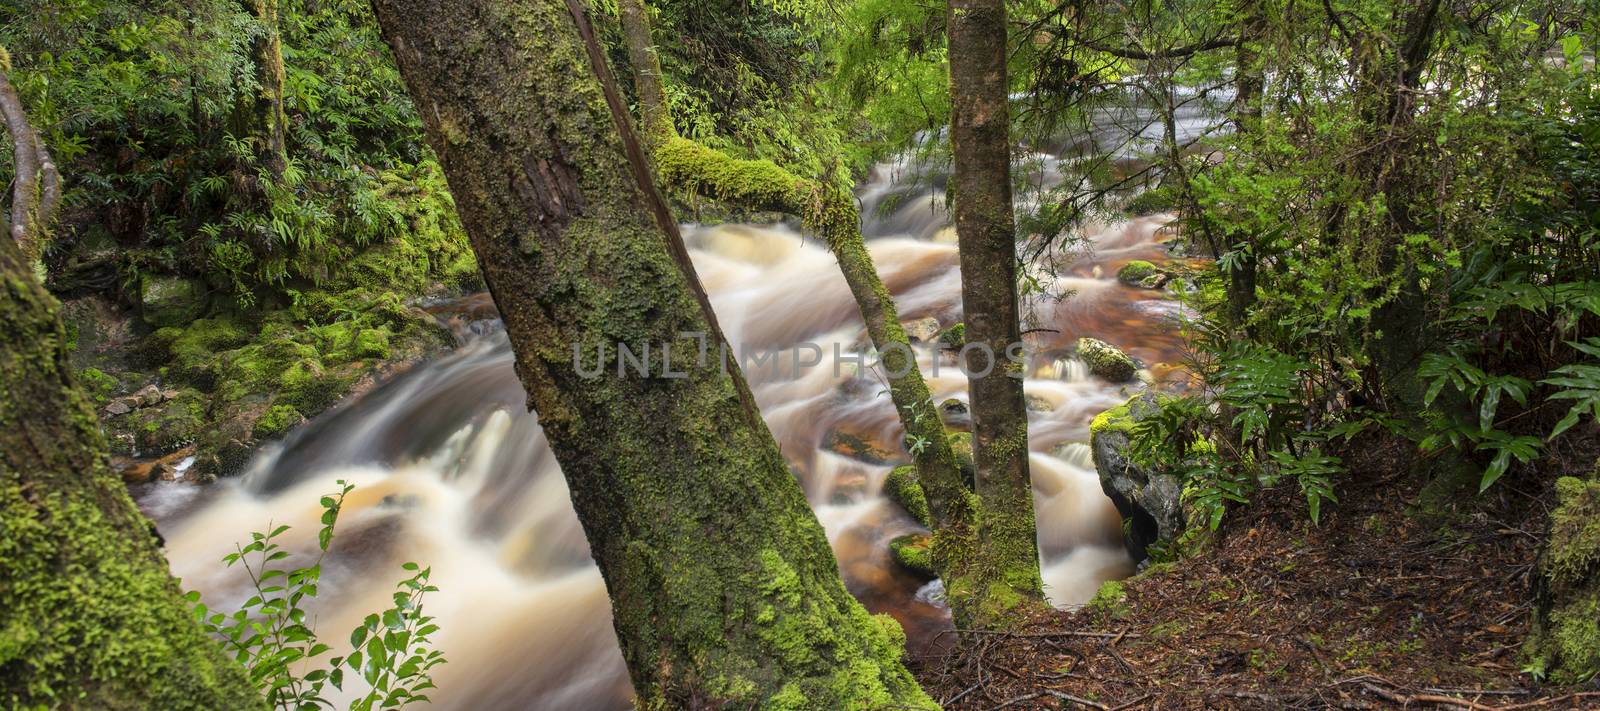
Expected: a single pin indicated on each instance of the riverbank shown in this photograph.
(1374, 608)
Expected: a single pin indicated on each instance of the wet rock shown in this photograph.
(1035, 403)
(913, 553)
(118, 407)
(903, 488)
(1106, 360)
(954, 413)
(1136, 272)
(170, 301)
(859, 446)
(922, 330)
(1150, 502)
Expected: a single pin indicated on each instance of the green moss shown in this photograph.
(1110, 602)
(954, 336)
(902, 487)
(170, 426)
(92, 620)
(1564, 641)
(97, 384)
(277, 420)
(1135, 272)
(1106, 360)
(913, 552)
(1116, 419)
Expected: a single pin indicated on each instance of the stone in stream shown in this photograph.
(912, 552)
(922, 330)
(1106, 360)
(1150, 502)
(954, 414)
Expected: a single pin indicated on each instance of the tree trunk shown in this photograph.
(830, 213)
(261, 114)
(36, 190)
(1249, 86)
(1001, 572)
(723, 588)
(90, 618)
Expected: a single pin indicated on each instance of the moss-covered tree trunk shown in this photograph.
(831, 213)
(90, 617)
(260, 114)
(1000, 572)
(723, 588)
(36, 188)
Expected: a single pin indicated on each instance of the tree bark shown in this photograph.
(262, 112)
(36, 192)
(830, 213)
(1249, 87)
(1001, 572)
(723, 588)
(90, 617)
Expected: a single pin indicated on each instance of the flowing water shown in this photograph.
(451, 472)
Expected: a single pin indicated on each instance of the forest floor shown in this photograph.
(1374, 608)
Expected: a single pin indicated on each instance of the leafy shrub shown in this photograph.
(391, 653)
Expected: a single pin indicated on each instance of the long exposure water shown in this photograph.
(451, 472)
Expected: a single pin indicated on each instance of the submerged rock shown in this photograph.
(1150, 502)
(1106, 360)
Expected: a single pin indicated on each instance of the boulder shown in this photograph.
(1150, 502)
(912, 552)
(1135, 273)
(1106, 360)
(954, 413)
(1563, 642)
(170, 301)
(922, 330)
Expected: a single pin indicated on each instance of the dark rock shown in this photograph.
(1150, 502)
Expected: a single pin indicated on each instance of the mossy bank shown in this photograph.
(181, 368)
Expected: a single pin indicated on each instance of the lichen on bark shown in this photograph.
(723, 587)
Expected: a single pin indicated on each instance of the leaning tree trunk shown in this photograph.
(829, 212)
(723, 588)
(1001, 572)
(90, 618)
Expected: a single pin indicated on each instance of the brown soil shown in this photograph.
(1374, 608)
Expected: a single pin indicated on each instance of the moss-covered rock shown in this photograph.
(1564, 639)
(277, 420)
(1134, 273)
(170, 300)
(903, 488)
(1106, 360)
(1150, 502)
(914, 553)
